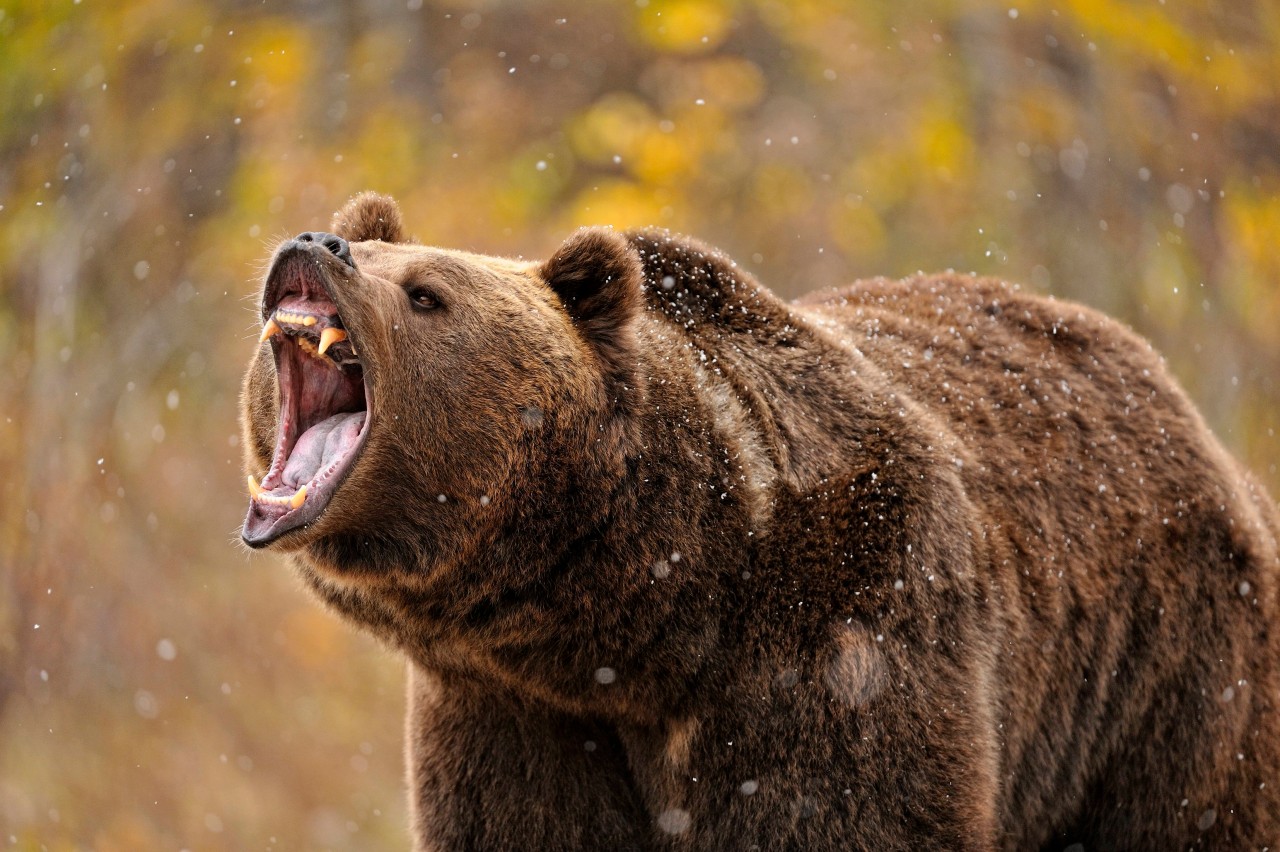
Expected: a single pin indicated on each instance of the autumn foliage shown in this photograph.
(159, 688)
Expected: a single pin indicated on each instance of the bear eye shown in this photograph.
(423, 299)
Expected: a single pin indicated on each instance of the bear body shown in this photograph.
(678, 565)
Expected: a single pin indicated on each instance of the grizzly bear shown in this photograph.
(676, 564)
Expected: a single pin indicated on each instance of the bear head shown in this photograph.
(407, 403)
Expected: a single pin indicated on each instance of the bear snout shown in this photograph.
(334, 243)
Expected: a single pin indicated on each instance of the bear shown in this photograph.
(932, 563)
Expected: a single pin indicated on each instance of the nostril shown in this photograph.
(339, 247)
(334, 243)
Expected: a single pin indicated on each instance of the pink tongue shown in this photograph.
(320, 446)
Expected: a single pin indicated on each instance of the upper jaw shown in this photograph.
(324, 399)
(319, 285)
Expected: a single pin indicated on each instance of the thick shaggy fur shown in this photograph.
(921, 564)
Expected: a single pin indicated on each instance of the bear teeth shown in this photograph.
(310, 348)
(296, 318)
(293, 501)
(329, 335)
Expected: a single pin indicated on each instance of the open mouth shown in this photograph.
(324, 402)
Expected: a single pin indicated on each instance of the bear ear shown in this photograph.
(369, 216)
(597, 275)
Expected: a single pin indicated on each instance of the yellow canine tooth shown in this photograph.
(330, 336)
(254, 488)
(296, 500)
(308, 320)
(270, 329)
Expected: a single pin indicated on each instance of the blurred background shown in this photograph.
(162, 689)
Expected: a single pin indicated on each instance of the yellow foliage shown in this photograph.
(612, 127)
(684, 26)
(826, 23)
(622, 204)
(1251, 225)
(1149, 33)
(533, 182)
(944, 147)
(936, 151)
(387, 152)
(281, 56)
(659, 157)
(153, 151)
(1141, 28)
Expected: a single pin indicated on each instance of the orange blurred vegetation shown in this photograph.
(161, 689)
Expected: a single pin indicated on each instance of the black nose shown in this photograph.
(332, 242)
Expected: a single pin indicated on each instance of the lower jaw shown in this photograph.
(264, 525)
(280, 517)
(319, 459)
(277, 517)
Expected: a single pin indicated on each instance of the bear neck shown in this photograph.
(611, 599)
(601, 592)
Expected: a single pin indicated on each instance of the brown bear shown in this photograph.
(920, 564)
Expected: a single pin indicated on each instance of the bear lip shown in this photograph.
(325, 401)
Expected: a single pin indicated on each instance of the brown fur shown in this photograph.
(912, 564)
(369, 216)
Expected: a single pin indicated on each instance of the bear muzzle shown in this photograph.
(323, 398)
